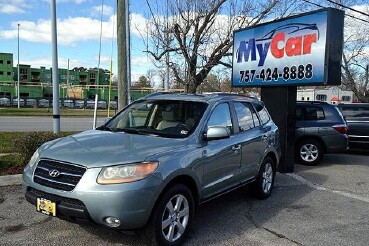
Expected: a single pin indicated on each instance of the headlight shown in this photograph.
(34, 158)
(126, 173)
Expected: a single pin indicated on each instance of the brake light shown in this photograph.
(341, 128)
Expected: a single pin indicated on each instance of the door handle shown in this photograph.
(236, 147)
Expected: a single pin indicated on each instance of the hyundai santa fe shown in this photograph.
(152, 164)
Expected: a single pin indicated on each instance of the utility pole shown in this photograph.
(124, 76)
(18, 92)
(166, 85)
(55, 71)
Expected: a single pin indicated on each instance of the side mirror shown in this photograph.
(107, 119)
(217, 132)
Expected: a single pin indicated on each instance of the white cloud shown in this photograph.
(10, 9)
(12, 6)
(139, 24)
(70, 30)
(96, 10)
(141, 61)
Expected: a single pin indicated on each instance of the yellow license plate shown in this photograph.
(46, 206)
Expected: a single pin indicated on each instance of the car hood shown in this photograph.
(96, 148)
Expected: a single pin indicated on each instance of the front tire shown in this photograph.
(263, 185)
(171, 217)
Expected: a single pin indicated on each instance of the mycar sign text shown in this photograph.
(301, 50)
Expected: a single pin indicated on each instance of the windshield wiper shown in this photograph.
(105, 128)
(137, 131)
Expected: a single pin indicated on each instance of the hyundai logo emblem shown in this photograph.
(54, 173)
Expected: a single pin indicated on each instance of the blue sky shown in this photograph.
(78, 33)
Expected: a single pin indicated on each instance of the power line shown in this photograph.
(320, 6)
(343, 6)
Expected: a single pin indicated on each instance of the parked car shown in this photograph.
(31, 102)
(79, 104)
(90, 104)
(15, 102)
(102, 105)
(320, 129)
(43, 103)
(68, 103)
(151, 174)
(113, 105)
(357, 118)
(4, 102)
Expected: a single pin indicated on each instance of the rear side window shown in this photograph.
(262, 111)
(310, 113)
(244, 115)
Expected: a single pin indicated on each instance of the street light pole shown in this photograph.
(18, 93)
(55, 71)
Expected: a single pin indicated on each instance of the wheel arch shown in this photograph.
(183, 179)
(274, 157)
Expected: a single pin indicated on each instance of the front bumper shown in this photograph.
(131, 203)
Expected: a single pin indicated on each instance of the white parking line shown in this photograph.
(319, 187)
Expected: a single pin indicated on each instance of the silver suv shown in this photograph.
(155, 161)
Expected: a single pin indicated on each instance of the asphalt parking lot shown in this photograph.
(323, 205)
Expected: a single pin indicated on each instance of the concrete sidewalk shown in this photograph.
(10, 180)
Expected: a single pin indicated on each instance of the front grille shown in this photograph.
(55, 198)
(68, 178)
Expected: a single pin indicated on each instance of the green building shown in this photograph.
(83, 83)
(6, 67)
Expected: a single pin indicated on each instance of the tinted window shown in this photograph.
(313, 113)
(355, 112)
(262, 111)
(299, 113)
(221, 116)
(244, 115)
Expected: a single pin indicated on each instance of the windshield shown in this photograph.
(166, 118)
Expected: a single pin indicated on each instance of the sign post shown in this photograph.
(278, 56)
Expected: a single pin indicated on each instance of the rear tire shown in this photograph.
(263, 185)
(171, 217)
(309, 152)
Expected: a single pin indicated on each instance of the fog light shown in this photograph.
(112, 221)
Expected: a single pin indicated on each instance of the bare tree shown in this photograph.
(356, 58)
(191, 37)
(142, 82)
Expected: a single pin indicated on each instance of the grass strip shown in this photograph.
(10, 161)
(7, 141)
(64, 112)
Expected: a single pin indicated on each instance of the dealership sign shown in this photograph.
(301, 50)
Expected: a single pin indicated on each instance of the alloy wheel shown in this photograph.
(267, 178)
(175, 218)
(309, 152)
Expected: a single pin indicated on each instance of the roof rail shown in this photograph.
(312, 102)
(227, 94)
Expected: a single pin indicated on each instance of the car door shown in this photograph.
(252, 137)
(221, 158)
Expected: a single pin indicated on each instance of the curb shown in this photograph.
(6, 154)
(8, 180)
